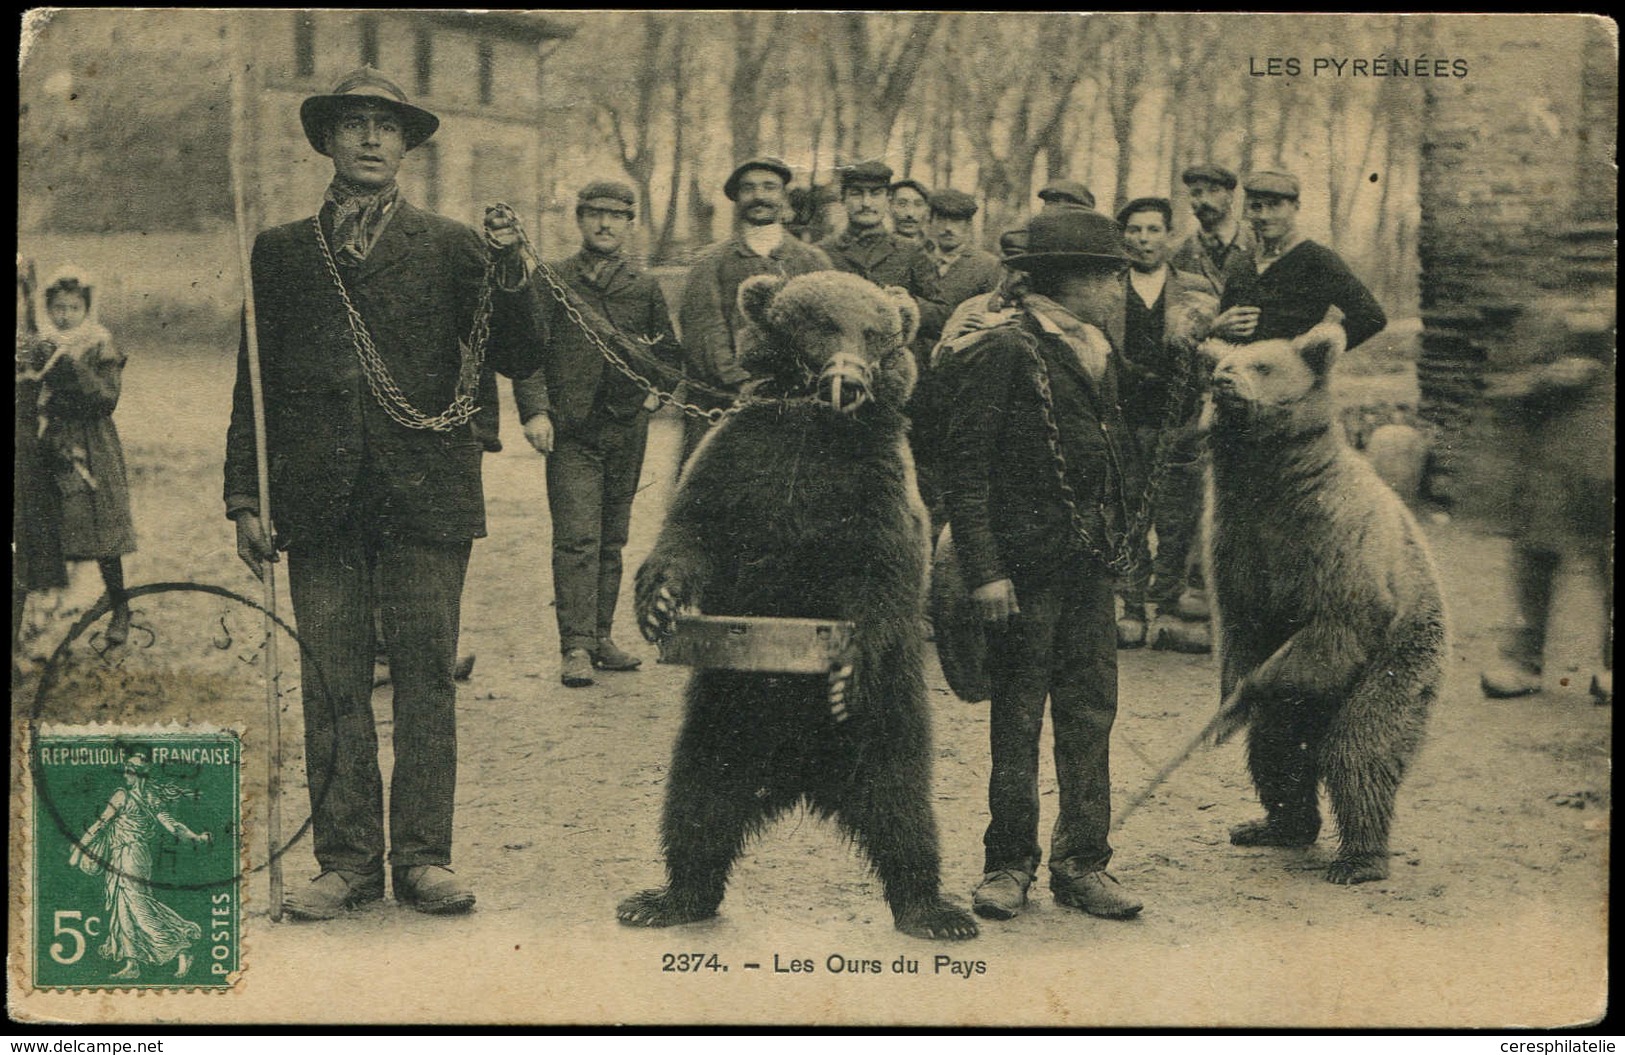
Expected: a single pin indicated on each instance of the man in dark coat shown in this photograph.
(1289, 283)
(1207, 252)
(375, 482)
(1035, 478)
(866, 248)
(592, 423)
(709, 310)
(1166, 313)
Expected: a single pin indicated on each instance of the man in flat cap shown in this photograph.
(592, 423)
(1034, 526)
(1166, 313)
(866, 248)
(1289, 283)
(709, 309)
(910, 207)
(1212, 191)
(1067, 192)
(368, 351)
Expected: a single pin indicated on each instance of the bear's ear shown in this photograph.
(756, 295)
(1320, 347)
(1210, 351)
(907, 310)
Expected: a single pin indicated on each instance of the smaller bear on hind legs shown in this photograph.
(1331, 622)
(803, 503)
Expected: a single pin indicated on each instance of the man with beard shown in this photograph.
(1289, 283)
(1212, 191)
(910, 204)
(1165, 314)
(364, 316)
(866, 248)
(591, 422)
(709, 311)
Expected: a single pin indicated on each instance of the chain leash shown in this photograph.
(1119, 553)
(384, 389)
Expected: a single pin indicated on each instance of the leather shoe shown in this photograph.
(576, 671)
(432, 888)
(609, 656)
(1509, 680)
(1130, 632)
(1091, 893)
(1193, 605)
(1001, 894)
(333, 893)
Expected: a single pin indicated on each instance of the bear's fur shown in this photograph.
(791, 507)
(1331, 623)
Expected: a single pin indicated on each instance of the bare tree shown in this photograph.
(872, 62)
(754, 48)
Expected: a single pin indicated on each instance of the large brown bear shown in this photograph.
(803, 503)
(1331, 623)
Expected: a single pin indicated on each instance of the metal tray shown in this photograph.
(758, 643)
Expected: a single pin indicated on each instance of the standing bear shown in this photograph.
(803, 503)
(1331, 622)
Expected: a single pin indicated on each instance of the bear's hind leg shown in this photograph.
(1281, 754)
(886, 810)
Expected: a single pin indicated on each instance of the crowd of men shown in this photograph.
(367, 314)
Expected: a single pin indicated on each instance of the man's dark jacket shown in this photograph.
(575, 379)
(888, 259)
(332, 447)
(1003, 493)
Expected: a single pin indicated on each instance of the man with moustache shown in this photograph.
(591, 422)
(1166, 312)
(709, 310)
(866, 248)
(1289, 283)
(1212, 190)
(910, 206)
(363, 312)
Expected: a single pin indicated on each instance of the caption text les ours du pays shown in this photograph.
(834, 963)
(1382, 65)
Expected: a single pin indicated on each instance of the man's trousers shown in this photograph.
(416, 588)
(592, 477)
(1061, 647)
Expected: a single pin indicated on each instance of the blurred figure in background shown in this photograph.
(1558, 416)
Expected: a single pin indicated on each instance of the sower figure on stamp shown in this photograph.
(1034, 470)
(592, 423)
(370, 319)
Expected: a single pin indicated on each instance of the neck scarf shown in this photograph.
(1088, 343)
(359, 216)
(763, 240)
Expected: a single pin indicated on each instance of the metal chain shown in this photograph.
(384, 390)
(1124, 546)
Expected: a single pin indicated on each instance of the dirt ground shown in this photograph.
(1495, 914)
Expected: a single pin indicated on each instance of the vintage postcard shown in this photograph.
(813, 518)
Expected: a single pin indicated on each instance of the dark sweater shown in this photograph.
(1294, 293)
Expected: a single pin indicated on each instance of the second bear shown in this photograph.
(803, 503)
(1332, 625)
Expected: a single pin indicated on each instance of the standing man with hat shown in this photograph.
(1212, 190)
(910, 208)
(866, 248)
(592, 423)
(1289, 283)
(709, 310)
(368, 341)
(1035, 471)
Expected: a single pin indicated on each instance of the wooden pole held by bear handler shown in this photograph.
(273, 670)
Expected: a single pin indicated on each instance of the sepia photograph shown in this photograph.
(722, 518)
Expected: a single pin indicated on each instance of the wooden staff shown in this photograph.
(273, 670)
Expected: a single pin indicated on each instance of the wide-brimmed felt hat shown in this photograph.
(365, 85)
(1210, 173)
(730, 188)
(1070, 236)
(1272, 185)
(1068, 191)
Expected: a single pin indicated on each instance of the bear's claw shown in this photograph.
(1361, 868)
(657, 908)
(938, 921)
(1265, 832)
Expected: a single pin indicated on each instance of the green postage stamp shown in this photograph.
(136, 859)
